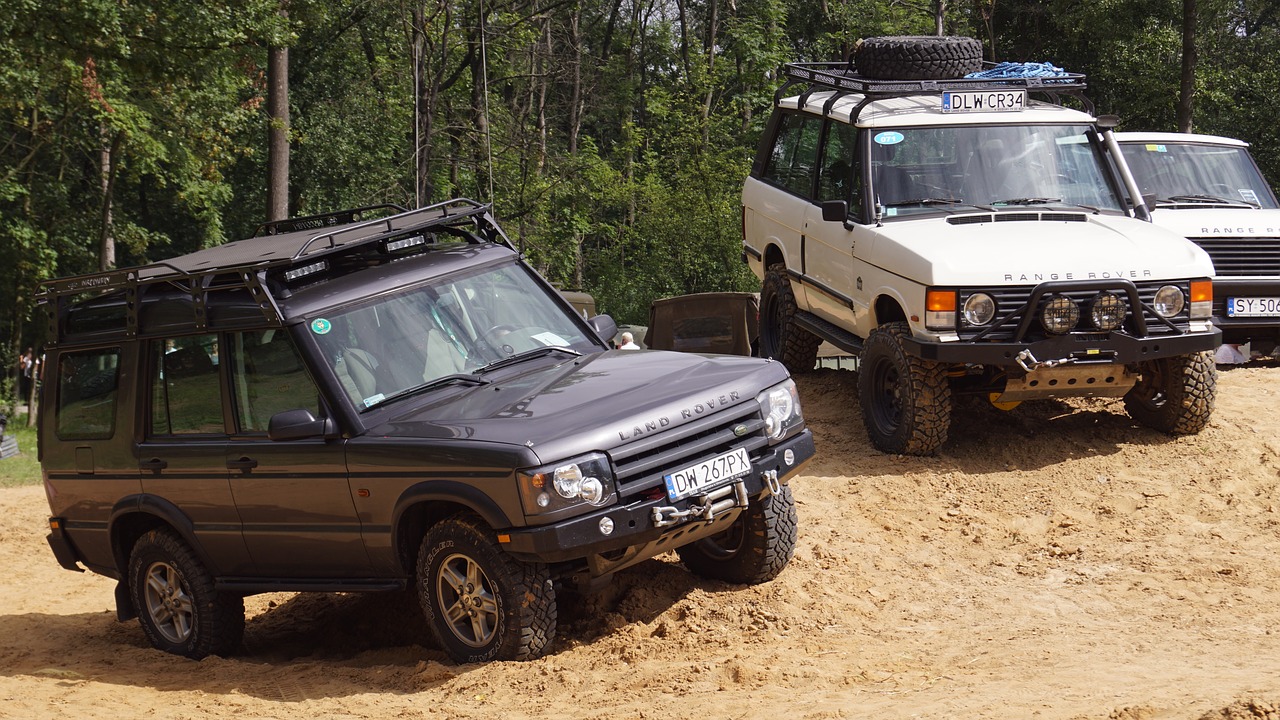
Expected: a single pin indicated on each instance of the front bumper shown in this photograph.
(1244, 329)
(1112, 347)
(634, 524)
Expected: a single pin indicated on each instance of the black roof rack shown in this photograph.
(845, 80)
(244, 265)
(315, 222)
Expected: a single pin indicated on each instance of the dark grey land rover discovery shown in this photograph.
(346, 404)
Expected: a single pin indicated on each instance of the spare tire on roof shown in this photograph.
(917, 57)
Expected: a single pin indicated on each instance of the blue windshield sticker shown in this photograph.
(320, 326)
(888, 137)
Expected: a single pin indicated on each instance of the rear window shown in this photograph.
(87, 389)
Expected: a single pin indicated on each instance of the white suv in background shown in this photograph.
(1209, 190)
(961, 237)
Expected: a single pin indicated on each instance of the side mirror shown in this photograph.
(298, 424)
(604, 327)
(835, 210)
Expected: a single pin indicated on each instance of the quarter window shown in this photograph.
(87, 391)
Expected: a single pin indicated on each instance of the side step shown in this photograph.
(830, 332)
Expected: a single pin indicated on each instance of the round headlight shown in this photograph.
(1107, 311)
(1169, 301)
(979, 309)
(591, 490)
(1059, 315)
(568, 482)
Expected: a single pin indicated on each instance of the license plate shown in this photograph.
(1253, 307)
(707, 474)
(984, 101)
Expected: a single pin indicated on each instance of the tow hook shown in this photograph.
(714, 504)
(1028, 362)
(770, 478)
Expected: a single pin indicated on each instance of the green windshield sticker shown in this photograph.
(320, 326)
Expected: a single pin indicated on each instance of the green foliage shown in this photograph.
(23, 468)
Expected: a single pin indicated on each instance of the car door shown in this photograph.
(293, 497)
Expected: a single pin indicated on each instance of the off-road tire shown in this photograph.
(1175, 395)
(177, 606)
(780, 337)
(514, 602)
(913, 57)
(906, 401)
(754, 549)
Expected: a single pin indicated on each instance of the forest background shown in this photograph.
(612, 136)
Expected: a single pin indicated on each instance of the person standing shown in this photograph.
(26, 372)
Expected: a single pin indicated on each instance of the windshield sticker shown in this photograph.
(890, 212)
(551, 339)
(1249, 195)
(320, 326)
(373, 400)
(1157, 148)
(889, 137)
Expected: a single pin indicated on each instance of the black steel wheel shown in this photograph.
(780, 337)
(480, 603)
(917, 57)
(178, 608)
(906, 401)
(1175, 395)
(754, 549)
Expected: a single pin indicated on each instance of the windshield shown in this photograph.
(1187, 173)
(953, 169)
(449, 328)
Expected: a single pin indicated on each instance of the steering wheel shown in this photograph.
(490, 336)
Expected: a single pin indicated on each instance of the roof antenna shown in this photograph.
(484, 76)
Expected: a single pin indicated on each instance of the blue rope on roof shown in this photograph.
(1018, 70)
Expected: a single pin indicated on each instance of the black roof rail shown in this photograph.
(844, 79)
(244, 265)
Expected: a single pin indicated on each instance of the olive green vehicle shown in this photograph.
(379, 400)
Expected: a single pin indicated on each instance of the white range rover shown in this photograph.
(961, 237)
(1208, 189)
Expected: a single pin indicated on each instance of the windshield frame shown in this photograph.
(952, 185)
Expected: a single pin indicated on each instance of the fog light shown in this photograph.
(979, 309)
(606, 526)
(788, 457)
(1107, 311)
(1168, 301)
(1060, 315)
(543, 499)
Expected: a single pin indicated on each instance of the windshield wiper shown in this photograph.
(468, 378)
(1028, 201)
(937, 201)
(527, 355)
(1207, 199)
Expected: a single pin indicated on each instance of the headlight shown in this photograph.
(1107, 311)
(979, 309)
(780, 406)
(587, 480)
(1059, 315)
(1168, 301)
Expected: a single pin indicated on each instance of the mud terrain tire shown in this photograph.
(780, 338)
(754, 549)
(906, 401)
(915, 57)
(1175, 395)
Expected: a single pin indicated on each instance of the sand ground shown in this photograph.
(1053, 562)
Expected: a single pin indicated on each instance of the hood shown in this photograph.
(596, 402)
(976, 250)
(1218, 222)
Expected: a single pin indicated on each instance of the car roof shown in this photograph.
(925, 110)
(1170, 138)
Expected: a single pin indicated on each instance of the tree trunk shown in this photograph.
(107, 178)
(1187, 89)
(939, 10)
(278, 132)
(575, 95)
(713, 21)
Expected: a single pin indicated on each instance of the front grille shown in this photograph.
(1010, 300)
(1240, 256)
(640, 464)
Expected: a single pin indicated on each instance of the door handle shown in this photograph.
(154, 465)
(242, 464)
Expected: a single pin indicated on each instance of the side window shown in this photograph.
(87, 390)
(795, 153)
(267, 377)
(839, 178)
(186, 397)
